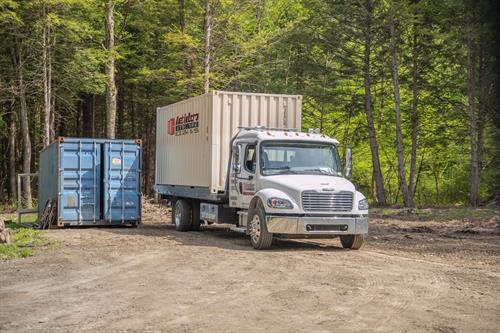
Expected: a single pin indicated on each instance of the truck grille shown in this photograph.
(313, 201)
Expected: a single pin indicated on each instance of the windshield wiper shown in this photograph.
(323, 172)
(283, 169)
(286, 167)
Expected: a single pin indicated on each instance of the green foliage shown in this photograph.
(24, 240)
(8, 12)
(310, 47)
(85, 72)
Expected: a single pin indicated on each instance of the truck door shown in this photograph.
(243, 166)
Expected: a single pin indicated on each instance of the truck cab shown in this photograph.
(291, 184)
(237, 158)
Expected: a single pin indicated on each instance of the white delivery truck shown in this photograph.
(240, 158)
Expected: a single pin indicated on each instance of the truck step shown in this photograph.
(242, 230)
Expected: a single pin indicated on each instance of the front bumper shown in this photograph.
(311, 225)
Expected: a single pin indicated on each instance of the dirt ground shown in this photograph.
(412, 276)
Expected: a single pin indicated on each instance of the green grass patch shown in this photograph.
(23, 242)
(26, 218)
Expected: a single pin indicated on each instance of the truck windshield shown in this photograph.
(278, 158)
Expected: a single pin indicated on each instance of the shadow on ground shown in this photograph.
(221, 237)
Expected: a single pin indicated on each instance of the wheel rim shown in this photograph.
(255, 229)
(178, 214)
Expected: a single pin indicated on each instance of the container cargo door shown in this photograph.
(122, 181)
(79, 179)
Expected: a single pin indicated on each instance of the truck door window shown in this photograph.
(250, 161)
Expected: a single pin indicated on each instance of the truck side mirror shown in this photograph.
(348, 162)
(236, 159)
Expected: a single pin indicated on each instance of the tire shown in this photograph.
(354, 242)
(134, 224)
(181, 215)
(195, 207)
(259, 236)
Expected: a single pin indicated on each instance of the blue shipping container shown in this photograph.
(93, 181)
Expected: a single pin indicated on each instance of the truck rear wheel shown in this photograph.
(353, 242)
(181, 215)
(259, 236)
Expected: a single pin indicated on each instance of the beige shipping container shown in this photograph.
(193, 136)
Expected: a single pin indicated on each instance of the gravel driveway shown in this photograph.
(154, 279)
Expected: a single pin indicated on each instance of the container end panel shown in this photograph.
(122, 182)
(79, 179)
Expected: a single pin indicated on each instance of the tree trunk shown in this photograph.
(132, 108)
(259, 13)
(436, 183)
(46, 98)
(149, 137)
(110, 72)
(188, 63)
(407, 198)
(23, 116)
(79, 117)
(52, 127)
(418, 174)
(321, 118)
(12, 154)
(474, 178)
(414, 115)
(206, 59)
(120, 112)
(481, 111)
(52, 97)
(47, 82)
(378, 180)
(152, 154)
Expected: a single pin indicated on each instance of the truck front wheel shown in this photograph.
(181, 215)
(353, 242)
(259, 236)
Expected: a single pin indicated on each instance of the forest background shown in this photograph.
(411, 86)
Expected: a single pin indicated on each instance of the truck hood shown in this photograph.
(293, 185)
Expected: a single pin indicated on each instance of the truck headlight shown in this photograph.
(279, 203)
(363, 204)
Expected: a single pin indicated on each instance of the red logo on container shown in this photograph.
(185, 124)
(171, 126)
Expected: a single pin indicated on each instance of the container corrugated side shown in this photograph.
(237, 109)
(182, 159)
(199, 158)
